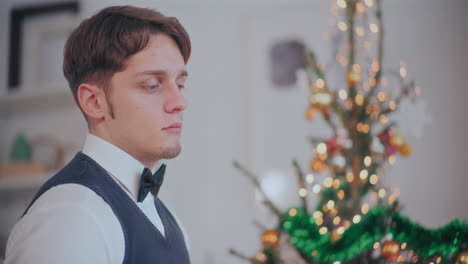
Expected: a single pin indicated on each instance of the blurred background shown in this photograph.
(237, 113)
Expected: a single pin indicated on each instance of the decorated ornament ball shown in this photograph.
(396, 140)
(353, 78)
(335, 236)
(405, 150)
(321, 99)
(390, 250)
(270, 238)
(332, 144)
(310, 113)
(462, 258)
(317, 165)
(260, 257)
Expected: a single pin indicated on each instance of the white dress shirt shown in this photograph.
(70, 223)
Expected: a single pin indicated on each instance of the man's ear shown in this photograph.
(92, 101)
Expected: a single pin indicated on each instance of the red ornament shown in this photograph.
(332, 144)
(385, 137)
(390, 150)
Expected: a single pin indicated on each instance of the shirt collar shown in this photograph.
(125, 169)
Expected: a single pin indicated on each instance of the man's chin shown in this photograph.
(171, 153)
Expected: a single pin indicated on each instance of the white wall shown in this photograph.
(432, 38)
(234, 114)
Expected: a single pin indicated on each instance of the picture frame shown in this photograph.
(18, 17)
(43, 45)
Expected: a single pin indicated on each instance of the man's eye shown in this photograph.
(152, 87)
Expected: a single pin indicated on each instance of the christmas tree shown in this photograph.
(347, 226)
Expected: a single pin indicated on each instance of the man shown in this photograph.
(126, 69)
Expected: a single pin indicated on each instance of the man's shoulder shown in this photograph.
(69, 206)
(67, 193)
(66, 215)
(69, 196)
(65, 186)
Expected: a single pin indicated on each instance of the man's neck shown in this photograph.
(106, 136)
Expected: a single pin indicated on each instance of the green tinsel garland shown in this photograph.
(360, 237)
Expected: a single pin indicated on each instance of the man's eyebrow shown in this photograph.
(183, 73)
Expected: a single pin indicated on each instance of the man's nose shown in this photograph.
(176, 100)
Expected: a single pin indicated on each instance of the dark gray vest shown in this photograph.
(143, 241)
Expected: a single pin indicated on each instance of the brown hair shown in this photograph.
(100, 45)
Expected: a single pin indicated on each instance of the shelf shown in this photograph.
(44, 97)
(24, 182)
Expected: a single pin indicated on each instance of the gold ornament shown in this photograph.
(321, 99)
(390, 250)
(405, 150)
(335, 236)
(317, 165)
(339, 162)
(462, 258)
(396, 141)
(260, 257)
(270, 238)
(353, 78)
(310, 113)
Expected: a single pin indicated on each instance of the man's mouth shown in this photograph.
(174, 128)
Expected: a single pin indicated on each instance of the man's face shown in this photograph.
(146, 104)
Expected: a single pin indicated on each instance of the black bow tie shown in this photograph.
(150, 183)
